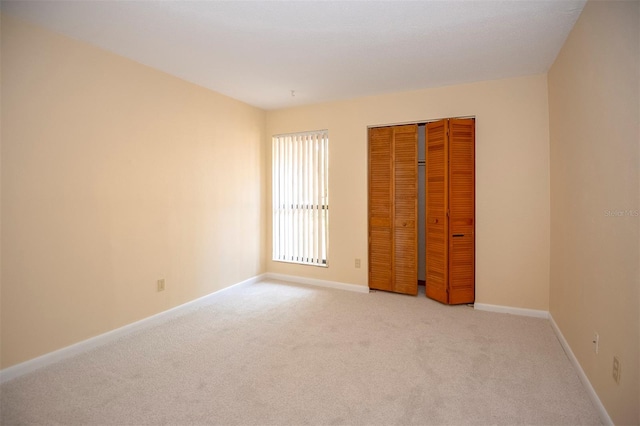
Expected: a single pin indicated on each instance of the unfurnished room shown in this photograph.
(320, 212)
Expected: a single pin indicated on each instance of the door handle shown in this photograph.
(458, 235)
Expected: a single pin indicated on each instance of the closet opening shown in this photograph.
(422, 241)
(421, 209)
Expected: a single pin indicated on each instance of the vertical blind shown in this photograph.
(301, 197)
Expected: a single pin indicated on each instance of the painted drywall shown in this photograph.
(115, 175)
(594, 136)
(512, 180)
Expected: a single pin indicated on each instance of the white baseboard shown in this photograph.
(510, 310)
(604, 416)
(315, 282)
(94, 342)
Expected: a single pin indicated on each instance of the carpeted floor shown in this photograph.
(282, 354)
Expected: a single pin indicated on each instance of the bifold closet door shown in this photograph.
(437, 225)
(380, 209)
(405, 209)
(461, 211)
(393, 209)
(450, 186)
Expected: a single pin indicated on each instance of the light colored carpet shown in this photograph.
(276, 353)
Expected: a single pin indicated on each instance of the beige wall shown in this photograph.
(115, 175)
(594, 117)
(512, 180)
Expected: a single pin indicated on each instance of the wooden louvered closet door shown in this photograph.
(380, 205)
(437, 226)
(450, 200)
(461, 211)
(393, 205)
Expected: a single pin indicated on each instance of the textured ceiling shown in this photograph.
(258, 52)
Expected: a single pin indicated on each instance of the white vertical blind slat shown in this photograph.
(314, 225)
(276, 196)
(308, 200)
(325, 215)
(314, 211)
(288, 235)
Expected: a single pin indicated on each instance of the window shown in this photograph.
(300, 188)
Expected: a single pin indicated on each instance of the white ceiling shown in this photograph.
(259, 51)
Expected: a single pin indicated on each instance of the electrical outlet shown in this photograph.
(358, 263)
(617, 369)
(161, 285)
(596, 343)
